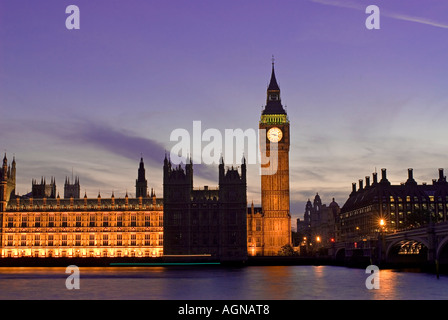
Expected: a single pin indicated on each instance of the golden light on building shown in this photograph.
(83, 228)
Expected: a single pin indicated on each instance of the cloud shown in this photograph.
(339, 4)
(397, 16)
(417, 20)
(117, 141)
(127, 144)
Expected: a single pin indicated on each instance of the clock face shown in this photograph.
(275, 134)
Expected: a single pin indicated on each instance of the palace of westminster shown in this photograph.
(209, 222)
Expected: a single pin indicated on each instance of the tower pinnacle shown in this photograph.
(273, 101)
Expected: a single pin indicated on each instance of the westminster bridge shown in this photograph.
(427, 244)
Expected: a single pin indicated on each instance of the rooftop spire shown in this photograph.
(273, 101)
(273, 85)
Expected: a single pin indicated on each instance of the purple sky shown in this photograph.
(91, 100)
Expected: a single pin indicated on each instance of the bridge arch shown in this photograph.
(340, 254)
(442, 250)
(410, 249)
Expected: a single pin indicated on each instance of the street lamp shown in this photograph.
(382, 223)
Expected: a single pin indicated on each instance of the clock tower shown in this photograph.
(274, 147)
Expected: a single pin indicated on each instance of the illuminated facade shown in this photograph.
(273, 225)
(255, 231)
(73, 227)
(379, 207)
(42, 224)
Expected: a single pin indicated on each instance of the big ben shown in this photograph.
(274, 148)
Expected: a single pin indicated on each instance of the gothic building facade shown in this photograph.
(7, 182)
(44, 225)
(72, 190)
(187, 221)
(320, 226)
(209, 222)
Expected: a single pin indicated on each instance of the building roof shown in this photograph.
(273, 85)
(383, 191)
(273, 106)
(90, 204)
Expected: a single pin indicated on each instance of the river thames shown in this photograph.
(219, 283)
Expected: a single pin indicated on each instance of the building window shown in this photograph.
(105, 239)
(161, 220)
(258, 225)
(23, 240)
(119, 239)
(64, 240)
(147, 220)
(91, 239)
(77, 240)
(37, 240)
(50, 240)
(147, 239)
(51, 220)
(91, 220)
(78, 220)
(160, 239)
(24, 220)
(64, 220)
(133, 239)
(10, 221)
(105, 220)
(133, 220)
(37, 221)
(10, 240)
(119, 220)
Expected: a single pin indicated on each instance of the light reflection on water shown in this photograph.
(218, 283)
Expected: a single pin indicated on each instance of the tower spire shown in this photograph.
(273, 85)
(273, 101)
(141, 184)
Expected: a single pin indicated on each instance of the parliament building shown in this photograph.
(211, 222)
(41, 224)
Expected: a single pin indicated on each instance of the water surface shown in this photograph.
(219, 283)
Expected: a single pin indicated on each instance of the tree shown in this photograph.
(287, 250)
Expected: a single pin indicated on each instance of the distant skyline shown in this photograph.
(92, 101)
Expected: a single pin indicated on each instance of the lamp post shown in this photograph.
(382, 223)
(317, 244)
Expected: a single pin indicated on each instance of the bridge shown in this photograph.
(428, 243)
(423, 245)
